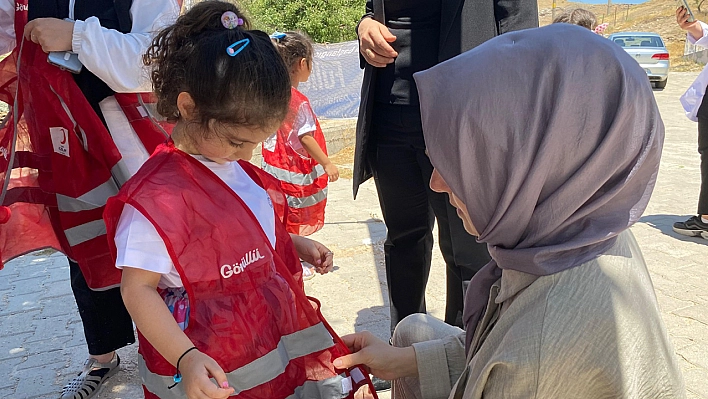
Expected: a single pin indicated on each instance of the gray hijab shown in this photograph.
(552, 139)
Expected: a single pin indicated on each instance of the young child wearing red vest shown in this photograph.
(211, 277)
(297, 153)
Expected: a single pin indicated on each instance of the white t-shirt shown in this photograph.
(140, 246)
(303, 124)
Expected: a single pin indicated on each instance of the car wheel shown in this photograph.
(661, 84)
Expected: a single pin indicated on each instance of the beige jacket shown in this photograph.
(593, 331)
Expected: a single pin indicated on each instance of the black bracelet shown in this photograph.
(177, 378)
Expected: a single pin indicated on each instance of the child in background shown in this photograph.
(299, 145)
(297, 153)
(578, 16)
(210, 275)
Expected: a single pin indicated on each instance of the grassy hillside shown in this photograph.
(653, 16)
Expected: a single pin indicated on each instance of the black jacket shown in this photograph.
(464, 25)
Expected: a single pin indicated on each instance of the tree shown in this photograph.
(325, 21)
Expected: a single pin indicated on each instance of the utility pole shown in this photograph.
(609, 4)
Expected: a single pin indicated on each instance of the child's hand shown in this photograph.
(196, 368)
(332, 172)
(314, 253)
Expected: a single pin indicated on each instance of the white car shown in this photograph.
(649, 51)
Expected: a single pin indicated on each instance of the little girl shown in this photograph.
(210, 275)
(297, 153)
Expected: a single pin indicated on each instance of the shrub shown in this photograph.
(325, 21)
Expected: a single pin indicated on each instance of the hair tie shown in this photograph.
(230, 20)
(278, 36)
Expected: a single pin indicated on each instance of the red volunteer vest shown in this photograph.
(303, 180)
(58, 161)
(248, 309)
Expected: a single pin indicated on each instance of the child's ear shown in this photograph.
(186, 106)
(304, 65)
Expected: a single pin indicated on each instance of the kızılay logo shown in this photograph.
(60, 140)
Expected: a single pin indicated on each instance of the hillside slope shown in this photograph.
(653, 16)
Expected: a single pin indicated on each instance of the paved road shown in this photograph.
(41, 338)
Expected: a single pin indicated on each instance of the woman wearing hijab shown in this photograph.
(566, 307)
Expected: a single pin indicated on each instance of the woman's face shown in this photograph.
(437, 184)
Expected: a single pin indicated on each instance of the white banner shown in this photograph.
(334, 88)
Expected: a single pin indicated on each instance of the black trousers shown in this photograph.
(402, 173)
(703, 150)
(107, 324)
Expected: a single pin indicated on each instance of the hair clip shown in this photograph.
(278, 35)
(232, 50)
(230, 20)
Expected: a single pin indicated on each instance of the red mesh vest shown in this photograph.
(58, 161)
(303, 180)
(248, 309)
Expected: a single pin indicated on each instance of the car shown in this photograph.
(650, 52)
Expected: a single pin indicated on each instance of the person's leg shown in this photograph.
(695, 226)
(107, 327)
(420, 328)
(463, 255)
(703, 150)
(406, 212)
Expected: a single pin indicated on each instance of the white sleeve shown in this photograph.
(703, 41)
(304, 120)
(116, 58)
(7, 26)
(139, 245)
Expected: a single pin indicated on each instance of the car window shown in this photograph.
(638, 41)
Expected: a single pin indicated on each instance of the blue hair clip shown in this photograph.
(278, 35)
(233, 51)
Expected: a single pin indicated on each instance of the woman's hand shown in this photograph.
(694, 28)
(314, 253)
(374, 39)
(383, 360)
(52, 34)
(196, 368)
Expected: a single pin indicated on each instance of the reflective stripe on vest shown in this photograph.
(300, 343)
(304, 202)
(301, 179)
(97, 197)
(120, 172)
(85, 232)
(93, 199)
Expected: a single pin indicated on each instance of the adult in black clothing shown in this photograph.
(398, 38)
(696, 105)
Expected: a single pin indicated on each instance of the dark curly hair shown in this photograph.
(251, 88)
(294, 47)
